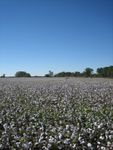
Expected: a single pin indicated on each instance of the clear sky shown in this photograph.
(59, 35)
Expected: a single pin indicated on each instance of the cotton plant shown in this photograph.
(56, 114)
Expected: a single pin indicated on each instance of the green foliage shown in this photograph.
(88, 72)
(47, 75)
(105, 71)
(77, 74)
(3, 76)
(22, 74)
(50, 74)
(65, 74)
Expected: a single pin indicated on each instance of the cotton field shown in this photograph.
(56, 114)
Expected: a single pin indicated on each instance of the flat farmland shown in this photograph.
(56, 114)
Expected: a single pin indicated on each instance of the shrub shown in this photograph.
(22, 74)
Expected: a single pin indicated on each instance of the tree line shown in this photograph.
(88, 72)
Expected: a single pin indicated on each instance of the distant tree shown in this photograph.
(105, 71)
(77, 74)
(100, 72)
(110, 71)
(94, 75)
(22, 74)
(47, 75)
(60, 74)
(3, 76)
(50, 74)
(88, 72)
(69, 74)
(65, 74)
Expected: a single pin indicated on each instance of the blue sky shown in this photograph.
(59, 35)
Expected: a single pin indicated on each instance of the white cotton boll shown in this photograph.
(25, 146)
(100, 125)
(89, 129)
(60, 128)
(53, 129)
(89, 144)
(30, 144)
(111, 132)
(60, 122)
(74, 146)
(73, 135)
(45, 148)
(95, 123)
(16, 137)
(42, 128)
(5, 126)
(60, 136)
(110, 137)
(42, 134)
(18, 144)
(64, 109)
(40, 139)
(0, 145)
(79, 138)
(82, 142)
(98, 142)
(49, 146)
(98, 146)
(33, 126)
(12, 125)
(108, 143)
(101, 137)
(24, 134)
(103, 148)
(28, 129)
(51, 139)
(36, 143)
(67, 127)
(66, 141)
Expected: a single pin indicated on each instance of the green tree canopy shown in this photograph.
(88, 72)
(22, 74)
(105, 71)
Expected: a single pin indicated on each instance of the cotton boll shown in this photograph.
(89, 145)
